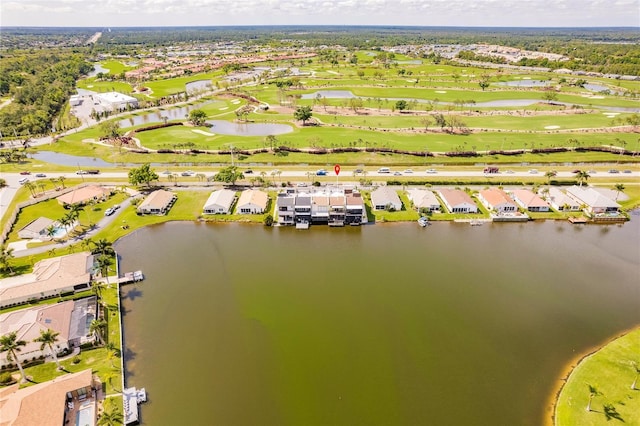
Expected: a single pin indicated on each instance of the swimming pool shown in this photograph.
(86, 416)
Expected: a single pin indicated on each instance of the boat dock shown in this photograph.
(131, 397)
(131, 277)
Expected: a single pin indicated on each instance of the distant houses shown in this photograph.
(158, 202)
(457, 201)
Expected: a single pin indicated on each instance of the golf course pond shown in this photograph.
(385, 324)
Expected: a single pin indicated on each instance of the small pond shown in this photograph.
(248, 129)
(329, 94)
(78, 161)
(158, 116)
(96, 69)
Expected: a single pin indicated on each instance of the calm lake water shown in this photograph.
(389, 324)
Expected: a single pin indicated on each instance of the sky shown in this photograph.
(471, 13)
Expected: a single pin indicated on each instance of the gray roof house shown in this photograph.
(596, 202)
(385, 197)
(561, 201)
(219, 202)
(285, 204)
(423, 199)
(37, 229)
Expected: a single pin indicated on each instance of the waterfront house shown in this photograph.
(252, 202)
(69, 399)
(561, 201)
(385, 198)
(50, 277)
(219, 202)
(529, 200)
(37, 229)
(70, 319)
(355, 211)
(337, 209)
(497, 200)
(85, 195)
(457, 201)
(423, 199)
(158, 202)
(285, 203)
(595, 203)
(320, 207)
(302, 208)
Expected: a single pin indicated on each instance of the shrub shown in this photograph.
(6, 378)
(268, 221)
(76, 360)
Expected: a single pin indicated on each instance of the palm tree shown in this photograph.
(550, 174)
(41, 185)
(103, 264)
(10, 344)
(593, 391)
(47, 338)
(111, 417)
(51, 231)
(61, 180)
(31, 188)
(619, 187)
(103, 247)
(582, 176)
(77, 208)
(97, 328)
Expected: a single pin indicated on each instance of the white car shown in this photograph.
(431, 171)
(408, 171)
(533, 171)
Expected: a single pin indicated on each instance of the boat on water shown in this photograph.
(476, 223)
(423, 221)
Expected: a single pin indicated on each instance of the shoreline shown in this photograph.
(568, 369)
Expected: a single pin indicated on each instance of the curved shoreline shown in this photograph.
(569, 368)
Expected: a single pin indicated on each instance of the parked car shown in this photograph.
(109, 211)
(40, 175)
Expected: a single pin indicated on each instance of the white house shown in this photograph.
(219, 202)
(385, 197)
(423, 199)
(158, 202)
(561, 201)
(37, 228)
(252, 202)
(457, 201)
(595, 202)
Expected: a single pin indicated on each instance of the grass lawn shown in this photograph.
(611, 371)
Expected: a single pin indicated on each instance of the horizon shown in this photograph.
(421, 13)
(626, 27)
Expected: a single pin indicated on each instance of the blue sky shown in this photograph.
(503, 13)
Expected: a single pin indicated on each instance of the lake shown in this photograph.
(387, 324)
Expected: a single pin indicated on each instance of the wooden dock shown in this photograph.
(131, 397)
(131, 277)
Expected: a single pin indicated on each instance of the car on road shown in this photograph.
(533, 171)
(248, 172)
(23, 181)
(81, 172)
(432, 171)
(384, 170)
(614, 171)
(116, 207)
(185, 174)
(510, 172)
(40, 175)
(626, 171)
(408, 171)
(321, 172)
(397, 174)
(109, 211)
(166, 172)
(25, 173)
(358, 171)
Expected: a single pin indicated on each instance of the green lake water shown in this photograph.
(389, 324)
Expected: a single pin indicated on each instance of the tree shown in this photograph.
(271, 141)
(197, 117)
(6, 254)
(111, 417)
(484, 82)
(440, 120)
(549, 175)
(401, 105)
(48, 338)
(142, 175)
(31, 187)
(61, 180)
(636, 367)
(550, 96)
(619, 187)
(97, 327)
(10, 344)
(104, 262)
(582, 176)
(229, 175)
(593, 392)
(303, 113)
(426, 122)
(103, 247)
(110, 129)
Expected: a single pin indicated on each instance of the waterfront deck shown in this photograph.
(131, 277)
(131, 397)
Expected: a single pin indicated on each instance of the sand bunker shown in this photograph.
(223, 108)
(551, 127)
(235, 101)
(596, 97)
(441, 91)
(202, 132)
